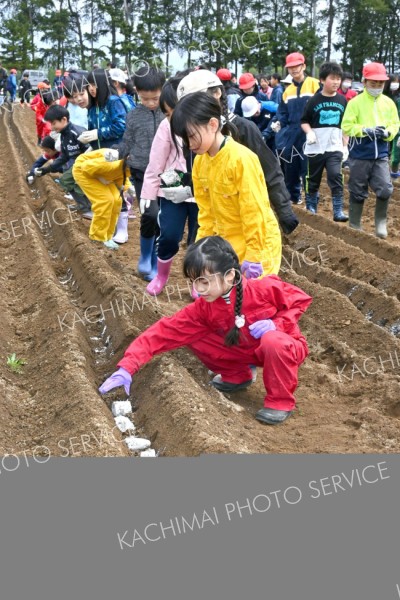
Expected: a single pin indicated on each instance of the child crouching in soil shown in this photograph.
(235, 322)
(103, 183)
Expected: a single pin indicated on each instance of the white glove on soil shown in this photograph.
(177, 194)
(276, 126)
(143, 204)
(111, 155)
(88, 136)
(311, 137)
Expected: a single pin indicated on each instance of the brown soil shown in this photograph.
(51, 274)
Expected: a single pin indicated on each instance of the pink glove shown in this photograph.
(120, 377)
(258, 328)
(251, 270)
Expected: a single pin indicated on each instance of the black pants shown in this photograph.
(148, 221)
(332, 162)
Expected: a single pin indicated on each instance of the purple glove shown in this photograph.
(258, 328)
(251, 270)
(120, 377)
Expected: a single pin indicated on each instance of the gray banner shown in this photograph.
(215, 527)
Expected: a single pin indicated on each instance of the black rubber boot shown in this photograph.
(381, 208)
(355, 214)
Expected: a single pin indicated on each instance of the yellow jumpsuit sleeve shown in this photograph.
(202, 196)
(252, 206)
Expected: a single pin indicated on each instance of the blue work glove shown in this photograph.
(120, 377)
(258, 328)
(251, 270)
(369, 131)
(381, 132)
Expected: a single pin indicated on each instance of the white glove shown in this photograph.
(30, 179)
(398, 143)
(111, 155)
(38, 172)
(143, 204)
(177, 194)
(345, 153)
(130, 193)
(88, 136)
(311, 137)
(276, 126)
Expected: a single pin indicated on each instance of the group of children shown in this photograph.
(322, 124)
(191, 159)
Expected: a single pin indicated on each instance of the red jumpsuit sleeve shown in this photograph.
(290, 301)
(184, 327)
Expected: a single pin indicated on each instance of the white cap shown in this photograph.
(118, 75)
(288, 79)
(250, 106)
(197, 81)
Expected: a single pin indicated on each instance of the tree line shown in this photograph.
(252, 33)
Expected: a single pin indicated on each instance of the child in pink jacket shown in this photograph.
(176, 202)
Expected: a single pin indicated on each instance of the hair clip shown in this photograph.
(223, 120)
(239, 321)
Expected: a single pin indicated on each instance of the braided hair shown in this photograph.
(215, 255)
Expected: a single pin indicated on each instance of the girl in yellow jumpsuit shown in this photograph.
(103, 183)
(229, 187)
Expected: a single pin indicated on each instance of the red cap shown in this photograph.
(294, 59)
(246, 81)
(375, 71)
(224, 74)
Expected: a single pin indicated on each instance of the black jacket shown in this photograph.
(24, 89)
(71, 148)
(250, 136)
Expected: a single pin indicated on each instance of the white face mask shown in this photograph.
(346, 85)
(374, 91)
(394, 86)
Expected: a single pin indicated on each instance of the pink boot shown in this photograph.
(157, 285)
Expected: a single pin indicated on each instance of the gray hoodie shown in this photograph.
(141, 127)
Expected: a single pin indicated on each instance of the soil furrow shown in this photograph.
(349, 385)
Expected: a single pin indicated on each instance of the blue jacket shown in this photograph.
(110, 122)
(12, 83)
(289, 115)
(128, 101)
(277, 93)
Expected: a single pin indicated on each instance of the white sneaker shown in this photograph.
(88, 215)
(121, 233)
(111, 245)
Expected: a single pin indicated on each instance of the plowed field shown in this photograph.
(70, 307)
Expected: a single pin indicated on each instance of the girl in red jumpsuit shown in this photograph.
(235, 322)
